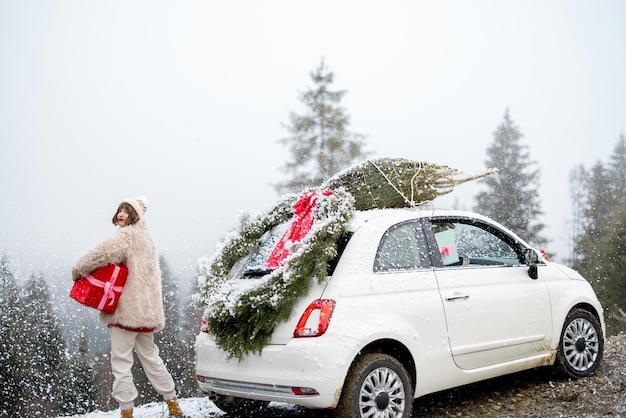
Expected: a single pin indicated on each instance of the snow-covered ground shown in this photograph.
(192, 408)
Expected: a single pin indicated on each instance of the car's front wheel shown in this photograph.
(238, 406)
(581, 345)
(377, 386)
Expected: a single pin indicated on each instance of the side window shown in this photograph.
(403, 247)
(468, 244)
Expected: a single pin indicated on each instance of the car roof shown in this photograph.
(392, 216)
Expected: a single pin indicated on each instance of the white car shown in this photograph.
(419, 301)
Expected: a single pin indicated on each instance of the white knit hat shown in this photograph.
(140, 204)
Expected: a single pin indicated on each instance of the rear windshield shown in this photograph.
(253, 266)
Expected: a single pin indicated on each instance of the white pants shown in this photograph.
(122, 344)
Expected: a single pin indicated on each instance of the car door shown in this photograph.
(495, 313)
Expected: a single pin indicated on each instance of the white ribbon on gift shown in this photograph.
(108, 286)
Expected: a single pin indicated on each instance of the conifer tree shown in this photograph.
(319, 142)
(84, 385)
(600, 247)
(101, 362)
(605, 193)
(610, 270)
(192, 319)
(512, 196)
(170, 344)
(12, 358)
(46, 353)
(617, 171)
(596, 213)
(578, 178)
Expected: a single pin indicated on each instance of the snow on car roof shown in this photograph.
(395, 215)
(399, 214)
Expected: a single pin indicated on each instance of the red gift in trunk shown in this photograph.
(102, 288)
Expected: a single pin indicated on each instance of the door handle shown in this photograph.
(457, 296)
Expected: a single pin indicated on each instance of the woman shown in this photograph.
(139, 311)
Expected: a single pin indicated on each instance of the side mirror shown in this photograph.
(532, 259)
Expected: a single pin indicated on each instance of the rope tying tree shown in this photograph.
(398, 182)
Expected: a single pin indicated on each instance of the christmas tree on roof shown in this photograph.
(398, 182)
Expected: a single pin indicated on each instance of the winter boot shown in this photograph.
(127, 413)
(174, 408)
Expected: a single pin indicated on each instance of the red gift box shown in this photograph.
(102, 288)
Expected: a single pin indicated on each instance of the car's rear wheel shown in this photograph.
(238, 406)
(377, 386)
(581, 345)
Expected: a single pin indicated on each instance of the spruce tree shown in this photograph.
(617, 171)
(512, 196)
(605, 193)
(596, 214)
(610, 271)
(319, 142)
(84, 382)
(46, 352)
(12, 357)
(101, 362)
(600, 247)
(190, 327)
(170, 344)
(578, 178)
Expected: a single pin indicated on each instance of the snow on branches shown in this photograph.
(244, 313)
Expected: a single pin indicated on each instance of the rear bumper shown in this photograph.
(261, 391)
(302, 372)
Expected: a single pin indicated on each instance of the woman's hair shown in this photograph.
(132, 215)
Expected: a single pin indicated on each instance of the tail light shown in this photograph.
(315, 319)
(300, 391)
(205, 326)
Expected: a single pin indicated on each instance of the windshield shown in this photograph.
(253, 265)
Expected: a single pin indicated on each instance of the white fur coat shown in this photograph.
(141, 303)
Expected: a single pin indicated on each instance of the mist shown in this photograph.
(185, 103)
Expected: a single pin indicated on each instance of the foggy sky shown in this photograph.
(185, 102)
